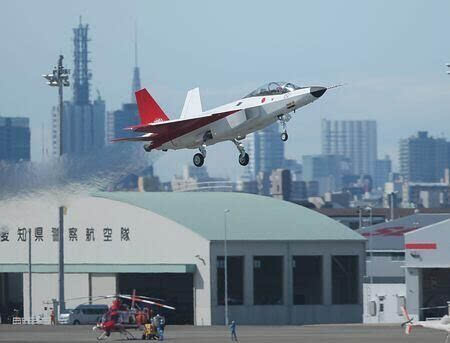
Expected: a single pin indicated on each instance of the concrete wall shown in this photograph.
(414, 291)
(383, 267)
(287, 313)
(45, 288)
(154, 240)
(103, 284)
(437, 256)
(388, 295)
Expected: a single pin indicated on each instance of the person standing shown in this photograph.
(233, 331)
(52, 317)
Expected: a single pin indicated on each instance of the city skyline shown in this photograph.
(379, 86)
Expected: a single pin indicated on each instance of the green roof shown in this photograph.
(251, 217)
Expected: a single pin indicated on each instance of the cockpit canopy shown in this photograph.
(273, 88)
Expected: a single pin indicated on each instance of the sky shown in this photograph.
(390, 55)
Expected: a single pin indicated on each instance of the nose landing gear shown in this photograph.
(284, 118)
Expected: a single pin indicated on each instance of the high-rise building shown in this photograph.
(327, 170)
(125, 117)
(382, 170)
(423, 158)
(83, 120)
(281, 184)
(355, 139)
(266, 151)
(14, 139)
(136, 85)
(128, 115)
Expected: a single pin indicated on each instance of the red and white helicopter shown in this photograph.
(442, 324)
(231, 122)
(120, 318)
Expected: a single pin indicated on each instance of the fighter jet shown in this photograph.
(197, 129)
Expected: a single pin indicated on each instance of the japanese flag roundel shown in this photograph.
(263, 100)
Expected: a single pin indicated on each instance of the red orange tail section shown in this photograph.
(149, 110)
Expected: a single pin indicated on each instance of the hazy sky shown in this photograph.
(391, 55)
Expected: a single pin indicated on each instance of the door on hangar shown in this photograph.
(435, 291)
(176, 289)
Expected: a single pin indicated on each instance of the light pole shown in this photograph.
(225, 253)
(29, 276)
(60, 78)
(368, 208)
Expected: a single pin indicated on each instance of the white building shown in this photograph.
(287, 264)
(385, 288)
(427, 253)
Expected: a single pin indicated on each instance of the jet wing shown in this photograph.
(180, 126)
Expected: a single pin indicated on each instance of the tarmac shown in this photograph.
(350, 333)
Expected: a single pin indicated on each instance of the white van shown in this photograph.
(84, 314)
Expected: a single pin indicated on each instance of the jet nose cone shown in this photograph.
(317, 91)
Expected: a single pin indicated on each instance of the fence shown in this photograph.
(31, 321)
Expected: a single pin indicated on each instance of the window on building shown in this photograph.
(307, 279)
(345, 276)
(235, 272)
(398, 256)
(268, 280)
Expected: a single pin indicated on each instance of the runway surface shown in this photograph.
(252, 334)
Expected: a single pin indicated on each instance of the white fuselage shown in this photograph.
(252, 114)
(443, 324)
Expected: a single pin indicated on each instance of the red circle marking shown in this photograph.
(263, 99)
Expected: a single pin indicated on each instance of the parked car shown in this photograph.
(84, 314)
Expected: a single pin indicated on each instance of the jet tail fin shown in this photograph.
(149, 110)
(192, 105)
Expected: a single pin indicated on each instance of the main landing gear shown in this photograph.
(147, 147)
(199, 158)
(284, 118)
(243, 156)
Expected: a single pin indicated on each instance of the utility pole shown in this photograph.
(30, 297)
(225, 264)
(60, 78)
(62, 303)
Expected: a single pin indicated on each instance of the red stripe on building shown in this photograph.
(419, 246)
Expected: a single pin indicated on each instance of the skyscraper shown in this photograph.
(266, 151)
(128, 115)
(84, 120)
(327, 170)
(14, 139)
(136, 85)
(382, 170)
(355, 139)
(423, 158)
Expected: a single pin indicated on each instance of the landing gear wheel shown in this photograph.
(284, 136)
(198, 160)
(147, 147)
(244, 159)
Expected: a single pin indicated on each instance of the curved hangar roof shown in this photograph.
(251, 217)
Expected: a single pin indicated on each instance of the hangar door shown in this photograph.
(435, 291)
(176, 289)
(11, 296)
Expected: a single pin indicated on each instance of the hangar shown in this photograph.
(286, 265)
(427, 275)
